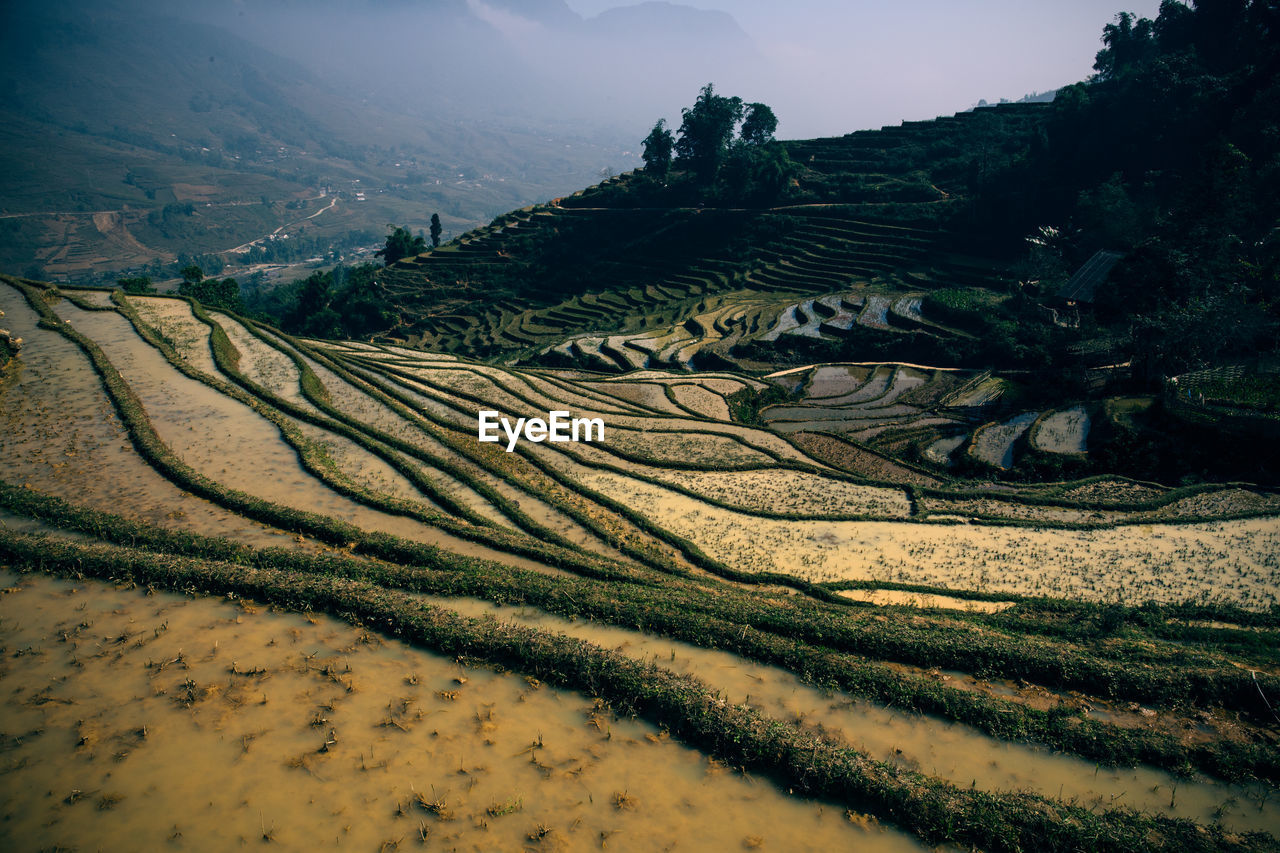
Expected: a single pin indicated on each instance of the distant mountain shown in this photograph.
(110, 110)
(251, 110)
(660, 20)
(551, 13)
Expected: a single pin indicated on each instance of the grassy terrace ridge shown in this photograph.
(1177, 658)
(934, 810)
(707, 619)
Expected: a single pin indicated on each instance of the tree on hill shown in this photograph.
(401, 244)
(212, 292)
(1128, 43)
(706, 130)
(436, 229)
(138, 284)
(746, 167)
(312, 313)
(1169, 154)
(345, 302)
(759, 125)
(658, 146)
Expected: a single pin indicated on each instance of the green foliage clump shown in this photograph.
(724, 151)
(706, 129)
(658, 146)
(746, 404)
(215, 293)
(345, 302)
(964, 306)
(401, 244)
(137, 284)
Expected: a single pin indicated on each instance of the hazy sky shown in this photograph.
(864, 64)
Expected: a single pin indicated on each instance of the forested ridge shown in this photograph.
(1170, 155)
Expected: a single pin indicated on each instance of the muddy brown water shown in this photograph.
(283, 379)
(274, 370)
(264, 364)
(921, 599)
(174, 319)
(135, 722)
(955, 752)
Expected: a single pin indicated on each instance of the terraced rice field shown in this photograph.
(691, 287)
(736, 318)
(876, 312)
(994, 444)
(1065, 431)
(695, 632)
(940, 451)
(861, 401)
(835, 381)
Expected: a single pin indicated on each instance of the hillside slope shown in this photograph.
(117, 109)
(964, 241)
(868, 216)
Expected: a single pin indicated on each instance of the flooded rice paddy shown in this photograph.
(132, 721)
(63, 437)
(1232, 561)
(236, 446)
(148, 722)
(951, 751)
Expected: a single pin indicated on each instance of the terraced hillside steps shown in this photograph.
(694, 570)
(714, 336)
(638, 269)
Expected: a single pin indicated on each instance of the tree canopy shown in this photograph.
(725, 146)
(401, 244)
(706, 129)
(658, 146)
(215, 293)
(759, 124)
(345, 302)
(137, 284)
(1171, 155)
